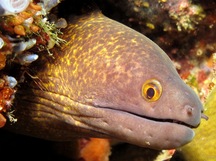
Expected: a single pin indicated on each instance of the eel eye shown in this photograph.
(151, 90)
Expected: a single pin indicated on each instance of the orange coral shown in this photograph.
(2, 61)
(20, 22)
(19, 30)
(2, 120)
(96, 150)
(6, 98)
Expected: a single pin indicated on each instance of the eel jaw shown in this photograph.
(138, 130)
(169, 121)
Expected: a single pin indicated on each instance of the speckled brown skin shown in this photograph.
(93, 85)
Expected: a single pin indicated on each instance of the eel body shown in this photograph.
(107, 81)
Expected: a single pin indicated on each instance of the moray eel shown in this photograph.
(107, 81)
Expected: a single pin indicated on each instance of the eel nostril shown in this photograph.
(189, 109)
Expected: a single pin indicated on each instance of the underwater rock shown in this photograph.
(181, 28)
(166, 15)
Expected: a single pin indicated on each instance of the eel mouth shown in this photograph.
(203, 116)
(166, 120)
(140, 130)
(161, 120)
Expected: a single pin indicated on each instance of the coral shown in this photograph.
(165, 155)
(185, 14)
(167, 15)
(13, 6)
(95, 149)
(25, 31)
(6, 95)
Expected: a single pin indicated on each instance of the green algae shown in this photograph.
(202, 148)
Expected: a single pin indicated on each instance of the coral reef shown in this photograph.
(95, 149)
(25, 31)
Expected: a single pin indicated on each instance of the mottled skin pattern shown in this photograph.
(93, 85)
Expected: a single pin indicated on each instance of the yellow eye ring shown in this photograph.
(151, 90)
